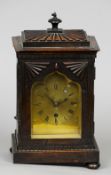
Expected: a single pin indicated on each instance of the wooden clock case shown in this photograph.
(55, 50)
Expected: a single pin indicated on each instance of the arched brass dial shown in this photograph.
(55, 107)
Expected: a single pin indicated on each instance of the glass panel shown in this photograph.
(56, 108)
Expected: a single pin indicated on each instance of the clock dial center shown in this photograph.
(56, 115)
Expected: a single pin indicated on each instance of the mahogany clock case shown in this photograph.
(54, 56)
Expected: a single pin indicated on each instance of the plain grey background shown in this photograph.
(94, 16)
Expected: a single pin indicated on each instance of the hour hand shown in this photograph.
(57, 103)
(63, 101)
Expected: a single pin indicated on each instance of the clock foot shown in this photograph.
(10, 149)
(93, 165)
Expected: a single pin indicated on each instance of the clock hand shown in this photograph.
(50, 99)
(55, 103)
(56, 120)
(63, 101)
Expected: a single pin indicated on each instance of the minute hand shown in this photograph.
(56, 103)
(50, 100)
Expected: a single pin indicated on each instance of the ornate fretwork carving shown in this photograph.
(42, 38)
(66, 36)
(34, 68)
(77, 67)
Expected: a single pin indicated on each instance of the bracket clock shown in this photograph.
(55, 97)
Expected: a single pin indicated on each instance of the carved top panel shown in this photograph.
(44, 38)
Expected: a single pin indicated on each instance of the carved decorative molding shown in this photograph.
(77, 67)
(34, 68)
(56, 56)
